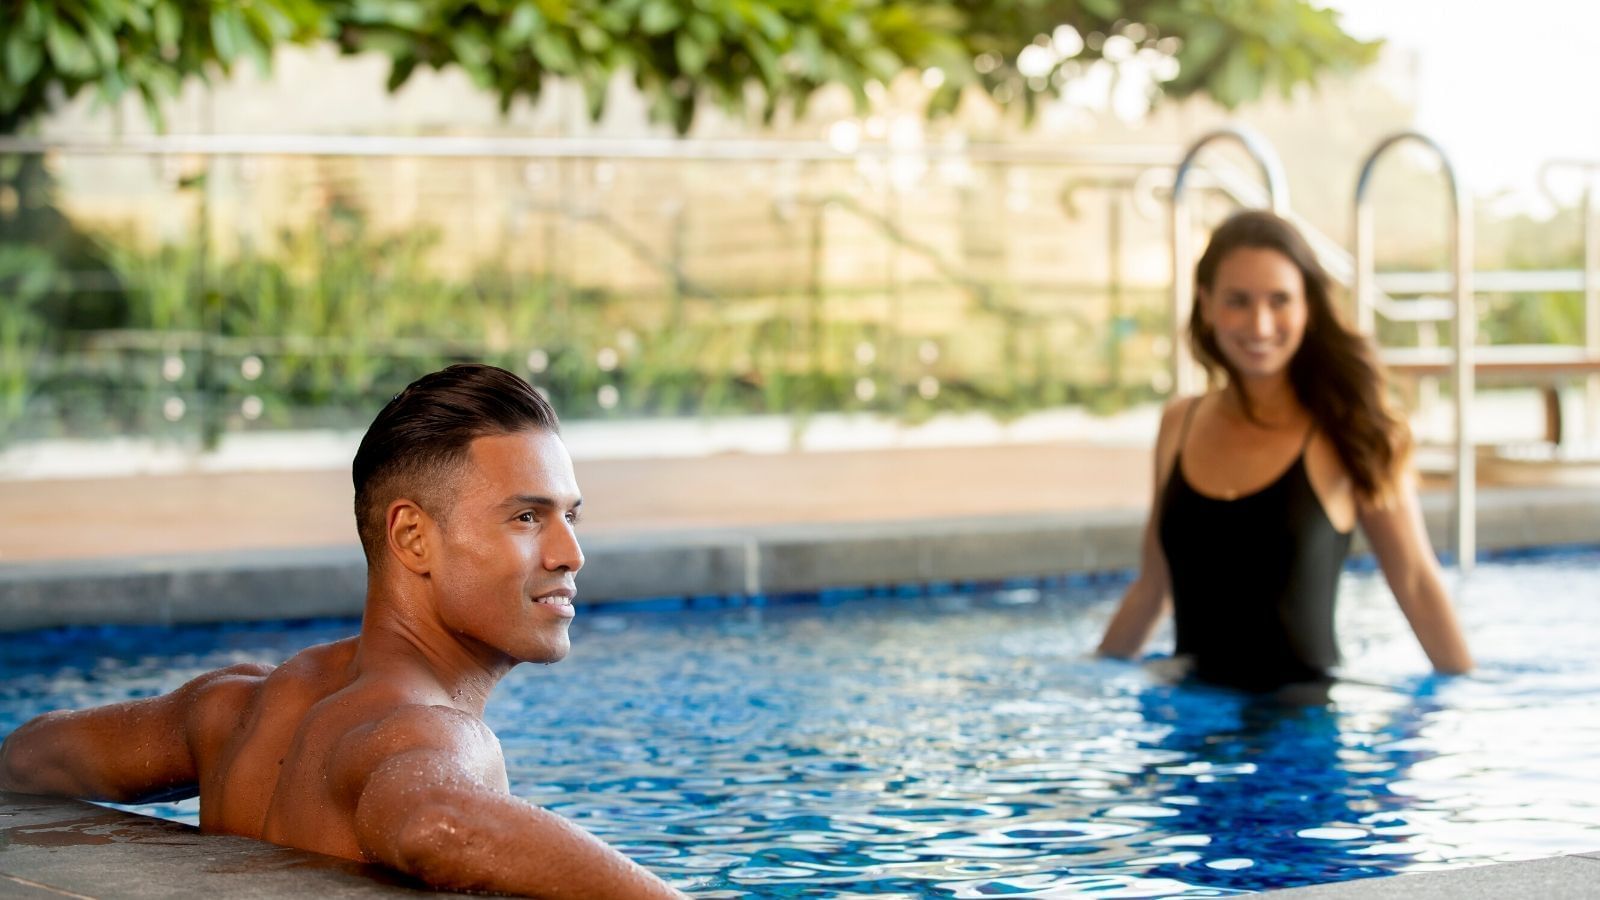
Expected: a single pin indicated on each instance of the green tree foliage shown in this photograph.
(55, 49)
(679, 52)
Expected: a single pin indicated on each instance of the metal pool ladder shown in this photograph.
(1463, 311)
(1185, 375)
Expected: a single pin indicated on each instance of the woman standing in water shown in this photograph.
(1260, 482)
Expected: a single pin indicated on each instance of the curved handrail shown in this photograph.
(1184, 376)
(1466, 319)
(1589, 167)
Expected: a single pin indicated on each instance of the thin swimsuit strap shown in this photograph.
(1183, 431)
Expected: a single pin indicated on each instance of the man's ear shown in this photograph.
(410, 532)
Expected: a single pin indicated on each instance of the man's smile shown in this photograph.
(560, 600)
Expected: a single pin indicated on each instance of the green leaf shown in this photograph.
(1236, 81)
(169, 24)
(766, 63)
(704, 29)
(524, 20)
(23, 57)
(690, 54)
(33, 20)
(224, 37)
(474, 57)
(101, 43)
(137, 16)
(594, 93)
(112, 84)
(390, 43)
(659, 17)
(67, 50)
(593, 40)
(399, 71)
(251, 28)
(774, 26)
(553, 52)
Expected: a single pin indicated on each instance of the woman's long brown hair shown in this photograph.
(1335, 373)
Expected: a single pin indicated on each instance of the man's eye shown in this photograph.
(527, 517)
(572, 518)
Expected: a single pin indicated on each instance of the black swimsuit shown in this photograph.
(1253, 579)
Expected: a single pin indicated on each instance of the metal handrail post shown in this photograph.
(1466, 323)
(1591, 302)
(1185, 377)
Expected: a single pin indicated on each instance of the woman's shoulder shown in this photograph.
(1177, 409)
(1173, 415)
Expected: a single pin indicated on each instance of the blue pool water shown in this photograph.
(967, 744)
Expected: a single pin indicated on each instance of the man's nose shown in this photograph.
(562, 551)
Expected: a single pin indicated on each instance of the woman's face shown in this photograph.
(1256, 307)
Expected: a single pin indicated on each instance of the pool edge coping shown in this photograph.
(724, 561)
(112, 853)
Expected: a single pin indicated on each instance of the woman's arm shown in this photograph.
(1400, 540)
(1146, 599)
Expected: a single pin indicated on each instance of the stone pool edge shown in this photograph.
(772, 559)
(52, 848)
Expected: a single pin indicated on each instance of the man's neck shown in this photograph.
(401, 641)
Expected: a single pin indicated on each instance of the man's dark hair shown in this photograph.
(418, 441)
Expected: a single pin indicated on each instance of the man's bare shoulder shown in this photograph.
(443, 734)
(233, 691)
(226, 691)
(409, 726)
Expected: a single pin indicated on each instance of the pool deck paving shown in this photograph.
(209, 546)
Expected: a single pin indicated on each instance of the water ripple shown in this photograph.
(971, 746)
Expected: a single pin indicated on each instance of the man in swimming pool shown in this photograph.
(374, 748)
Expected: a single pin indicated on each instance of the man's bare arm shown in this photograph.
(432, 808)
(125, 752)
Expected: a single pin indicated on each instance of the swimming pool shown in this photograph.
(921, 742)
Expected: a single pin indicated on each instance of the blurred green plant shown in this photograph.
(27, 277)
(1553, 317)
(318, 325)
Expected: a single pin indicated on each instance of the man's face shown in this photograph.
(508, 553)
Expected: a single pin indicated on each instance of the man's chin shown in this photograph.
(547, 654)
